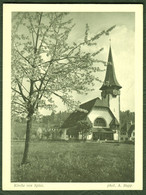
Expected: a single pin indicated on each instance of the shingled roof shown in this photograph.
(81, 115)
(89, 105)
(110, 77)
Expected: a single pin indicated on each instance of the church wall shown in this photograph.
(89, 137)
(114, 105)
(99, 112)
(116, 135)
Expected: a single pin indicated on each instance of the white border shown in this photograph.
(6, 168)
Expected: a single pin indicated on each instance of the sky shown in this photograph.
(123, 51)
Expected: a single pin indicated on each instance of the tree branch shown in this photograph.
(22, 85)
(57, 95)
(19, 111)
(47, 31)
(22, 56)
(15, 90)
(32, 38)
(21, 93)
(37, 35)
(58, 59)
(44, 89)
(19, 104)
(32, 25)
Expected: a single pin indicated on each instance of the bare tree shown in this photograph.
(46, 64)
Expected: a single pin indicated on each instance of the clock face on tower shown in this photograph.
(103, 94)
(115, 92)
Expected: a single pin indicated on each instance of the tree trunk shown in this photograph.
(82, 135)
(27, 139)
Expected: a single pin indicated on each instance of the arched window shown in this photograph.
(100, 122)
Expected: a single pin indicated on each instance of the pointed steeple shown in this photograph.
(110, 80)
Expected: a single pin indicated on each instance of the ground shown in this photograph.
(73, 162)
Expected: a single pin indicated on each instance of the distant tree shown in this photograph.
(46, 64)
(45, 119)
(126, 117)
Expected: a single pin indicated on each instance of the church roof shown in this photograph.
(89, 105)
(110, 77)
(81, 115)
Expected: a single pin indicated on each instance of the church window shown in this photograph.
(100, 122)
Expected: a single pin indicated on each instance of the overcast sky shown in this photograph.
(122, 43)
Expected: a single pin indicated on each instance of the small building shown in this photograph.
(103, 113)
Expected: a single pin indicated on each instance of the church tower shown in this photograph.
(111, 88)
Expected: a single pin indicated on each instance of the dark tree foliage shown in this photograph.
(126, 118)
(84, 127)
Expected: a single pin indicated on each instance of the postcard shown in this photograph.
(72, 97)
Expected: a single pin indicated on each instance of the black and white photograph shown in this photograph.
(72, 116)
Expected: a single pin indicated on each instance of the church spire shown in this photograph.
(110, 80)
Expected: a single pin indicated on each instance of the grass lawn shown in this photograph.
(73, 162)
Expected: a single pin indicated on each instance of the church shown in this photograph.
(104, 113)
